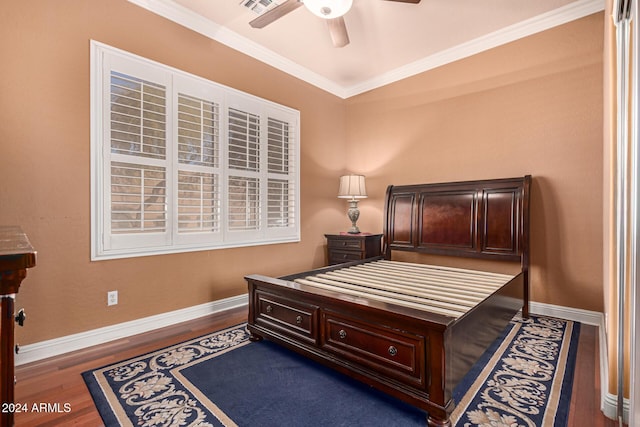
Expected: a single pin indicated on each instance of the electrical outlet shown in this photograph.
(112, 297)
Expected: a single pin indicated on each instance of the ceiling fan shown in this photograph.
(330, 10)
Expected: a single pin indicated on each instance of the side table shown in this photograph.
(345, 247)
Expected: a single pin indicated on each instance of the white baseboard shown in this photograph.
(608, 401)
(44, 349)
(609, 407)
(57, 346)
(594, 318)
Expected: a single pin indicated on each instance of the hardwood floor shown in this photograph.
(585, 397)
(58, 381)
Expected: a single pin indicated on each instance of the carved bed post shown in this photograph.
(526, 195)
(386, 251)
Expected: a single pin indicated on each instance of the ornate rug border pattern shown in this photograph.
(116, 411)
(524, 383)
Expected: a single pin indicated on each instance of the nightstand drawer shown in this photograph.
(337, 257)
(347, 243)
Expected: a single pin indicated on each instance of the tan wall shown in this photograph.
(45, 170)
(534, 106)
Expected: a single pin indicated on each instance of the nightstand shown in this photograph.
(346, 247)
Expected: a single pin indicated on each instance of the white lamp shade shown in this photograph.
(328, 9)
(352, 187)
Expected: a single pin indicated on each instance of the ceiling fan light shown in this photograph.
(328, 9)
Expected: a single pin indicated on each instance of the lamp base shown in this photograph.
(353, 214)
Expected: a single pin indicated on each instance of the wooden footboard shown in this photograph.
(413, 355)
(397, 353)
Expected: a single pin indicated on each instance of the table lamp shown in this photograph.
(352, 187)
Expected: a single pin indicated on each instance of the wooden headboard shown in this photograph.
(479, 219)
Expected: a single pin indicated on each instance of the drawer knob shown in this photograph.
(393, 351)
(269, 309)
(20, 317)
(298, 319)
(342, 333)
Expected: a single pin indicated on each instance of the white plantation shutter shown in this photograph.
(243, 185)
(278, 146)
(198, 131)
(138, 132)
(244, 203)
(244, 140)
(198, 152)
(138, 198)
(136, 154)
(262, 183)
(180, 163)
(198, 202)
(138, 117)
(281, 211)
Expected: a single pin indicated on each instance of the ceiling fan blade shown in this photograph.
(407, 1)
(338, 32)
(276, 13)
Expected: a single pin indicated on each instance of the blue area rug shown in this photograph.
(222, 379)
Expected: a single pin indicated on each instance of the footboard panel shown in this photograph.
(393, 349)
(395, 353)
(287, 316)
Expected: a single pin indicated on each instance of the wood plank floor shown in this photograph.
(58, 381)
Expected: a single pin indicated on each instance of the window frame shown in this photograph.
(107, 245)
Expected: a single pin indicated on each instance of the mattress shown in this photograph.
(443, 290)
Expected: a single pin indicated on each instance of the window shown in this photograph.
(180, 163)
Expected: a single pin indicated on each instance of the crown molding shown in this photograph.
(546, 21)
(189, 19)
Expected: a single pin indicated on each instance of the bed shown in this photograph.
(409, 329)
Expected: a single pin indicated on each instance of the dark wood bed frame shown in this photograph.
(414, 355)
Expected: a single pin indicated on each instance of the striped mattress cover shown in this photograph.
(443, 290)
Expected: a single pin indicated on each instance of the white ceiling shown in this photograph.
(389, 40)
